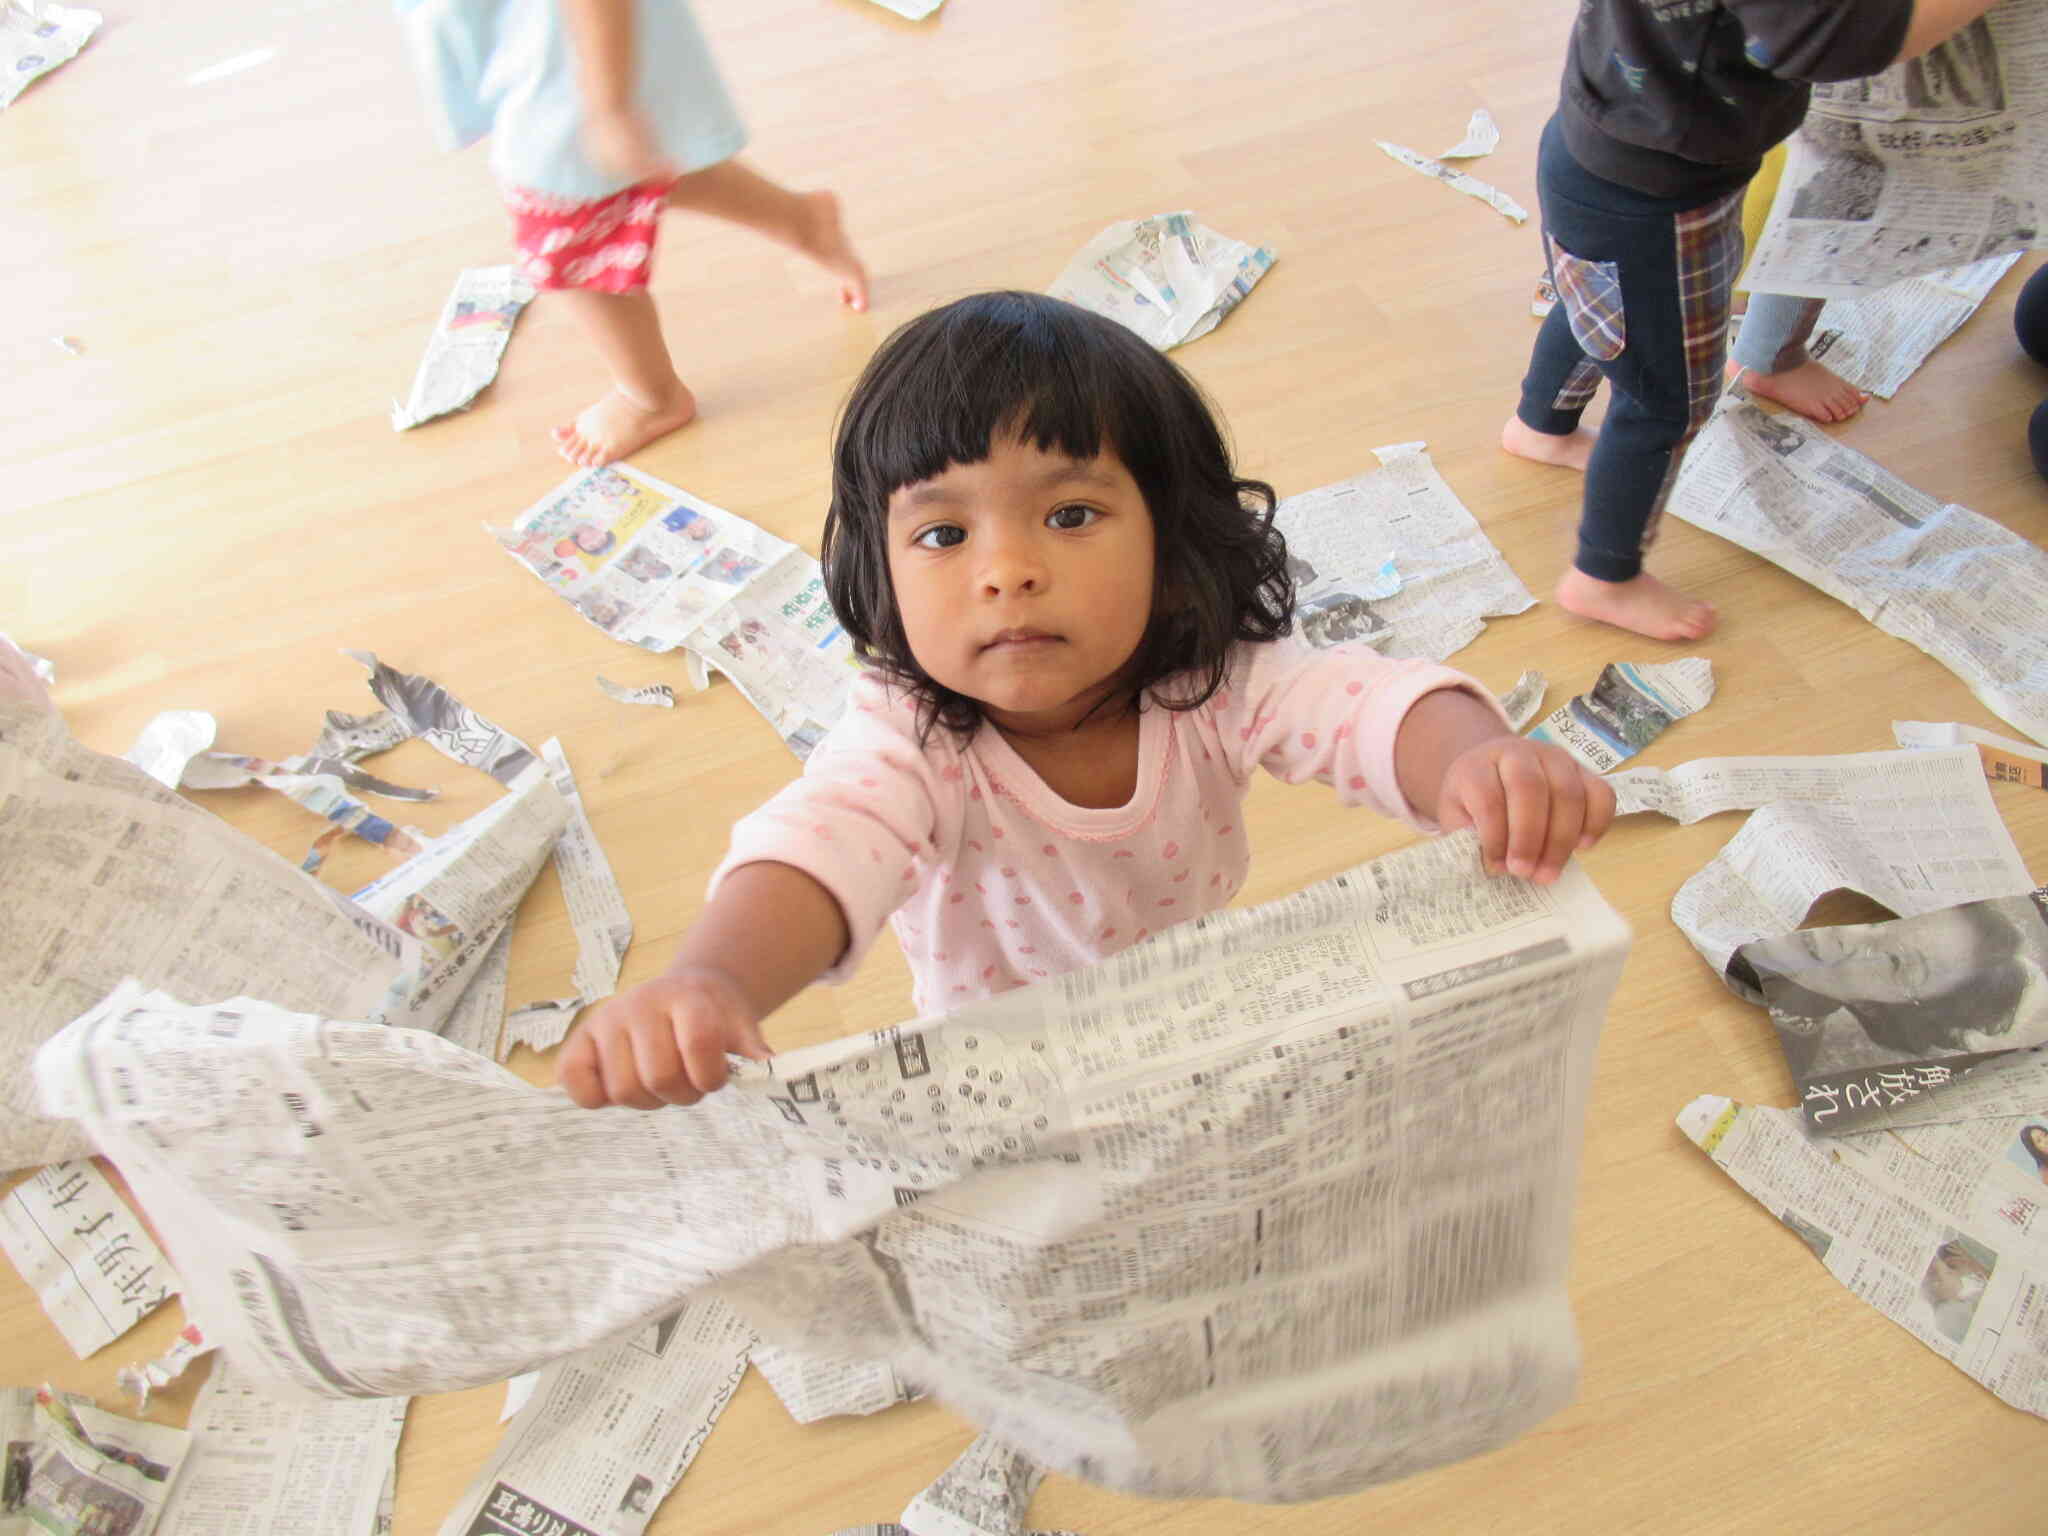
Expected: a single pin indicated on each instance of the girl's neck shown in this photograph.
(1092, 764)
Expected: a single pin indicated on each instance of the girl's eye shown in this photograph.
(1070, 518)
(939, 536)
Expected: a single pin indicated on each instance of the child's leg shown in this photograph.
(1771, 349)
(1555, 393)
(647, 399)
(804, 221)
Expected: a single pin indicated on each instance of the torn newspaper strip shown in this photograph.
(1521, 702)
(147, 1376)
(1941, 1228)
(1199, 1220)
(656, 567)
(656, 695)
(1341, 538)
(1968, 592)
(317, 1469)
(1937, 162)
(813, 1389)
(73, 1469)
(985, 1492)
(1456, 180)
(1881, 1022)
(88, 1258)
(469, 339)
(169, 742)
(606, 1433)
(35, 37)
(1482, 137)
(1169, 277)
(1629, 706)
(1878, 340)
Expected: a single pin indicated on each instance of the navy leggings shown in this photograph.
(1643, 290)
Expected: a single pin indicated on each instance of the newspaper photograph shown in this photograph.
(468, 341)
(1629, 706)
(656, 567)
(35, 37)
(1168, 277)
(1342, 538)
(1940, 1228)
(76, 1470)
(89, 1259)
(606, 1434)
(1937, 162)
(1872, 1016)
(1970, 593)
(1879, 339)
(1200, 1220)
(257, 1464)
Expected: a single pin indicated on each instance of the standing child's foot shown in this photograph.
(617, 425)
(1569, 450)
(1642, 604)
(1812, 389)
(822, 237)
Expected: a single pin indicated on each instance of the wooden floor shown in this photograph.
(209, 504)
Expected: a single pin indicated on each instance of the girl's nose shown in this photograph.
(1011, 566)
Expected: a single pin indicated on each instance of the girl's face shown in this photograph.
(1024, 581)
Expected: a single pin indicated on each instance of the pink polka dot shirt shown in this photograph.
(993, 881)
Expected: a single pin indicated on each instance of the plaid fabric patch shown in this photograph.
(1591, 294)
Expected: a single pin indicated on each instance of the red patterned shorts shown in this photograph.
(606, 244)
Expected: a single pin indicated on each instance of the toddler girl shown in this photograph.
(1075, 616)
(602, 113)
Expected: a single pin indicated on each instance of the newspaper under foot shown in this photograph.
(1169, 277)
(1968, 592)
(469, 339)
(1941, 1228)
(1197, 1221)
(1402, 514)
(1879, 340)
(1935, 163)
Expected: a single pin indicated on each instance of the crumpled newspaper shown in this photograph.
(35, 37)
(1168, 277)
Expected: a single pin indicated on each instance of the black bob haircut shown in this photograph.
(947, 384)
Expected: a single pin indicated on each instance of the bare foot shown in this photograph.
(1642, 604)
(822, 237)
(1568, 450)
(617, 425)
(1812, 389)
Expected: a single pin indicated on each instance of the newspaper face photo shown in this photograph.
(1877, 1012)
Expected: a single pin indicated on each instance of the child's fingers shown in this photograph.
(615, 1065)
(703, 1047)
(578, 1074)
(659, 1064)
(1481, 805)
(1567, 795)
(1599, 810)
(1526, 787)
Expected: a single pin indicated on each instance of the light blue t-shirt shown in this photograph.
(507, 68)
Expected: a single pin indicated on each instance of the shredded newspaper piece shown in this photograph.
(1482, 137)
(90, 1261)
(469, 339)
(35, 37)
(1521, 702)
(1630, 705)
(1940, 1228)
(1937, 162)
(1169, 277)
(1970, 593)
(983, 1493)
(656, 567)
(813, 1389)
(147, 1376)
(659, 695)
(1456, 180)
(939, 1196)
(1341, 538)
(169, 742)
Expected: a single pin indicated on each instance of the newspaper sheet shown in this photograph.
(1629, 706)
(1168, 277)
(656, 567)
(1199, 1220)
(607, 1433)
(110, 874)
(1456, 180)
(1940, 1228)
(1878, 340)
(1914, 831)
(259, 1466)
(75, 1470)
(35, 37)
(90, 1261)
(1968, 592)
(1340, 536)
(1937, 162)
(1884, 1023)
(2005, 761)
(469, 339)
(813, 1389)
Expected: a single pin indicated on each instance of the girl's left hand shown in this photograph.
(1532, 804)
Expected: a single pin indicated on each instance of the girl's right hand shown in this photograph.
(662, 1042)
